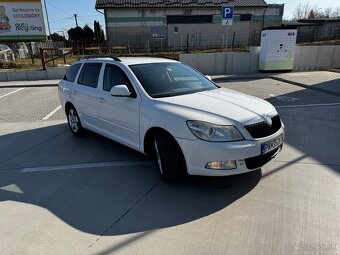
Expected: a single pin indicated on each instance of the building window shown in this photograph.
(158, 32)
(187, 11)
(176, 30)
(191, 19)
(245, 17)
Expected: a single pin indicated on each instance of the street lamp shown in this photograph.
(63, 37)
(63, 33)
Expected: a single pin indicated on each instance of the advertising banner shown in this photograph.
(21, 20)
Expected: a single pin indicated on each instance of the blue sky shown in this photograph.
(61, 11)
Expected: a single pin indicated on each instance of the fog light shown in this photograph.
(221, 165)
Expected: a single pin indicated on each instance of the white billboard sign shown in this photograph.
(22, 20)
(277, 49)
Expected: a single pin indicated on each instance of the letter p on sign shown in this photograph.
(227, 11)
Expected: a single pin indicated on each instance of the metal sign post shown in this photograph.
(226, 41)
(227, 14)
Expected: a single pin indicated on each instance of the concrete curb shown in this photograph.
(30, 75)
(37, 83)
(335, 70)
(254, 76)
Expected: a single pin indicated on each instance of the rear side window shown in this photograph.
(72, 72)
(90, 74)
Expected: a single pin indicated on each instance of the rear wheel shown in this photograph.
(74, 121)
(170, 158)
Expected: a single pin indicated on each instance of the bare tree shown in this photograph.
(327, 13)
(301, 11)
(336, 12)
(307, 11)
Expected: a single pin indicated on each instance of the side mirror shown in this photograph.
(120, 91)
(208, 77)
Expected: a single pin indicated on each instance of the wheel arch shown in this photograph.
(149, 149)
(68, 105)
(148, 143)
(149, 138)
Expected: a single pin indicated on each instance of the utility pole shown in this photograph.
(76, 19)
(48, 21)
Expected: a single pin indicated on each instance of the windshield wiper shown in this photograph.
(181, 93)
(165, 95)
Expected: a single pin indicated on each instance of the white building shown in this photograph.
(176, 25)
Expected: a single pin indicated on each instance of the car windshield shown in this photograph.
(170, 79)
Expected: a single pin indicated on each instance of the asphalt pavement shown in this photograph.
(60, 194)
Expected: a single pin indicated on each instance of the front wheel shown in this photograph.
(74, 121)
(170, 158)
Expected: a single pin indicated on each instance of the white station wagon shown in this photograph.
(167, 110)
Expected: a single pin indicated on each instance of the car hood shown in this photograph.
(225, 103)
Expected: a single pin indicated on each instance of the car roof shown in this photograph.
(144, 60)
(131, 60)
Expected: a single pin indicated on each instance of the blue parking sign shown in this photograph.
(227, 12)
(227, 15)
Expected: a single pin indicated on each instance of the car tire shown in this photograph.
(73, 121)
(169, 156)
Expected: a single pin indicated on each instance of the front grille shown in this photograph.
(260, 161)
(262, 129)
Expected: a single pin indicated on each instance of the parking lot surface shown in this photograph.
(60, 194)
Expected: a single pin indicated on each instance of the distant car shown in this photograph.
(164, 108)
(5, 51)
(4, 47)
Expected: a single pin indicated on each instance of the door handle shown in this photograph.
(101, 100)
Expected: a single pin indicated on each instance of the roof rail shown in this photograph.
(101, 56)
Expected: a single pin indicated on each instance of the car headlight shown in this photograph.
(214, 133)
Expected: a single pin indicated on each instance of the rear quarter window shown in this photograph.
(72, 72)
(89, 74)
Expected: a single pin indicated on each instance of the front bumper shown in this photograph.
(247, 155)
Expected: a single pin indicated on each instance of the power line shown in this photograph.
(55, 6)
(58, 24)
(59, 20)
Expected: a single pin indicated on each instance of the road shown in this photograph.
(65, 195)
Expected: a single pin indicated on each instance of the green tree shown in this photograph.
(76, 34)
(98, 32)
(88, 34)
(102, 36)
(81, 35)
(56, 37)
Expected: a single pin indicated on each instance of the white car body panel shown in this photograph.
(122, 125)
(127, 120)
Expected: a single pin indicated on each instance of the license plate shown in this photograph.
(271, 145)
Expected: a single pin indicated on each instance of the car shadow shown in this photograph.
(106, 200)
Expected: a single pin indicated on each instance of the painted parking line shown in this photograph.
(88, 165)
(306, 105)
(285, 98)
(52, 113)
(10, 93)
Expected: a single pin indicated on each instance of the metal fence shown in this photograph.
(187, 42)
